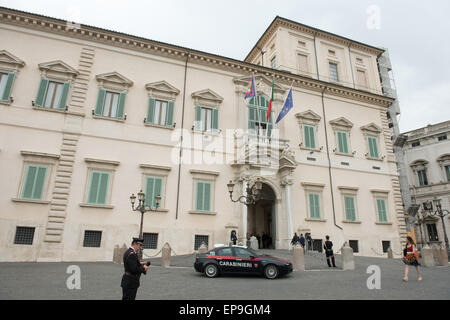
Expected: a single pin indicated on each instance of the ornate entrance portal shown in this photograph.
(261, 219)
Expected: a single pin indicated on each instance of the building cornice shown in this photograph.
(130, 42)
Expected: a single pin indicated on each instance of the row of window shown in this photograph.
(93, 238)
(349, 207)
(442, 137)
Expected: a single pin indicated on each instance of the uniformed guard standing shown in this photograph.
(133, 270)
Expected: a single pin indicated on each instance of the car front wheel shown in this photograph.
(211, 271)
(271, 271)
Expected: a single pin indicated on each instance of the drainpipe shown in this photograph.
(329, 160)
(315, 54)
(351, 65)
(181, 137)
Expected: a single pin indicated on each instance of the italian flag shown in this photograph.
(270, 103)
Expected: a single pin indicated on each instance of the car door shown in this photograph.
(225, 258)
(245, 262)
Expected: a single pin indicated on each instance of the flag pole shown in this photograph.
(257, 106)
(268, 122)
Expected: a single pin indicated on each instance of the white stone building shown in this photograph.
(89, 116)
(427, 161)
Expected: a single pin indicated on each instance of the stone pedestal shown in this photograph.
(203, 248)
(436, 253)
(348, 261)
(427, 257)
(254, 243)
(165, 255)
(298, 258)
(443, 257)
(390, 255)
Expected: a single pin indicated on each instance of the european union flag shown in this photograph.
(288, 104)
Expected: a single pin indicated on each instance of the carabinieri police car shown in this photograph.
(236, 259)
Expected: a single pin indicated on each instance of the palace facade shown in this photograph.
(89, 117)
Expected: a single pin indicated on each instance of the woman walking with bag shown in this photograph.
(411, 258)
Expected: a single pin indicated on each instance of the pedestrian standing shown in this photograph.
(295, 239)
(328, 246)
(309, 241)
(411, 258)
(233, 237)
(133, 270)
(302, 241)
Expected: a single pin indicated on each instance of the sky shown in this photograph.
(416, 33)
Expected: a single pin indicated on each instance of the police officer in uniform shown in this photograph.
(133, 270)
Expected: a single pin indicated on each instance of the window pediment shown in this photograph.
(58, 69)
(444, 159)
(419, 165)
(162, 89)
(371, 128)
(308, 116)
(114, 80)
(10, 62)
(207, 97)
(341, 124)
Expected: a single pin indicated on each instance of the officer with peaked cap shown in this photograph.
(133, 270)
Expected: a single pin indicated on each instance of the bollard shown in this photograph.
(390, 255)
(436, 253)
(348, 261)
(116, 254)
(298, 258)
(427, 257)
(165, 255)
(203, 248)
(443, 257)
(254, 243)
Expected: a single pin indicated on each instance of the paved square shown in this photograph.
(102, 281)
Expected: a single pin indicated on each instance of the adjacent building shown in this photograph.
(89, 117)
(427, 161)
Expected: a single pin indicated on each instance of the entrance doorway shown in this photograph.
(261, 219)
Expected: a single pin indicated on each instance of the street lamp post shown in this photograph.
(440, 213)
(143, 209)
(253, 193)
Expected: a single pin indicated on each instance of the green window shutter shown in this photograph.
(151, 110)
(41, 93)
(314, 206)
(8, 87)
(39, 183)
(251, 117)
(149, 191)
(103, 188)
(343, 144)
(27, 192)
(100, 102)
(34, 182)
(65, 94)
(215, 119)
(350, 209)
(93, 189)
(156, 190)
(121, 107)
(170, 106)
(207, 196)
(309, 137)
(382, 215)
(373, 147)
(198, 118)
(199, 196)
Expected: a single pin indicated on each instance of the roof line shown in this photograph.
(314, 29)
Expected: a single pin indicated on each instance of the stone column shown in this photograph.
(286, 183)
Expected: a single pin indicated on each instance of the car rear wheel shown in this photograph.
(271, 271)
(211, 271)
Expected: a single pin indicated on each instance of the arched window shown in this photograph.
(257, 116)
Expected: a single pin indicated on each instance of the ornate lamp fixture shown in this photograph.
(253, 192)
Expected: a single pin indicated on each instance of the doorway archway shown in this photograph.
(261, 219)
